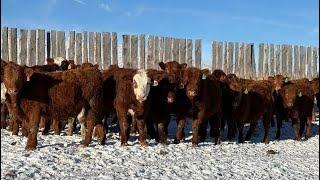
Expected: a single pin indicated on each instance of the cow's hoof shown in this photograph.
(144, 144)
(307, 136)
(31, 146)
(195, 145)
(124, 144)
(217, 141)
(176, 141)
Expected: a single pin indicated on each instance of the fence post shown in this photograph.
(41, 47)
(296, 62)
(302, 62)
(230, 57)
(167, 49)
(189, 52)
(265, 61)
(32, 48)
(161, 51)
(97, 50)
(156, 52)
(278, 60)
(198, 53)
(284, 60)
(175, 49)
(182, 51)
(91, 47)
(150, 52)
(272, 69)
(126, 51)
(315, 62)
(13, 45)
(261, 59)
(134, 51)
(106, 49)
(114, 44)
(225, 57)
(71, 47)
(142, 51)
(289, 60)
(309, 63)
(61, 48)
(236, 59)
(78, 47)
(4, 45)
(220, 55)
(84, 47)
(23, 46)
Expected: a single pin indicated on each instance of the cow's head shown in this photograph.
(15, 76)
(279, 81)
(235, 89)
(219, 75)
(141, 85)
(191, 80)
(289, 93)
(174, 70)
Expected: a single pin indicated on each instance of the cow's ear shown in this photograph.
(28, 73)
(162, 65)
(183, 66)
(50, 61)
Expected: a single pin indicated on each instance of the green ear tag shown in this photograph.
(246, 91)
(204, 76)
(300, 94)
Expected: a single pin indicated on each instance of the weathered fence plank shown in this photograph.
(150, 56)
(126, 51)
(272, 67)
(197, 51)
(161, 55)
(61, 48)
(156, 52)
(309, 63)
(315, 62)
(167, 49)
(220, 55)
(248, 66)
(189, 52)
(214, 57)
(85, 47)
(41, 57)
(23, 46)
(277, 59)
(289, 60)
(241, 60)
(32, 48)
(230, 57)
(253, 63)
(182, 51)
(114, 46)
(296, 62)
(4, 45)
(261, 60)
(302, 62)
(142, 42)
(284, 59)
(71, 48)
(91, 47)
(13, 45)
(97, 50)
(225, 56)
(236, 58)
(106, 49)
(78, 46)
(265, 61)
(175, 49)
(134, 51)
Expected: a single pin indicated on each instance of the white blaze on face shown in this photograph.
(3, 92)
(141, 85)
(58, 60)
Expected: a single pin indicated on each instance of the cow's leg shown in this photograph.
(46, 125)
(215, 129)
(161, 133)
(82, 120)
(134, 127)
(303, 121)
(33, 124)
(223, 123)
(15, 125)
(240, 132)
(231, 129)
(179, 134)
(279, 126)
(124, 127)
(195, 132)
(55, 126)
(296, 128)
(142, 133)
(309, 125)
(42, 123)
(25, 128)
(70, 126)
(252, 127)
(90, 122)
(203, 129)
(4, 112)
(266, 124)
(100, 133)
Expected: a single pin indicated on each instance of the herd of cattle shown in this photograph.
(59, 93)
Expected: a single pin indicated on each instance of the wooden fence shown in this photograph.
(293, 61)
(32, 47)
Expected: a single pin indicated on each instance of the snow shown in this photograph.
(63, 157)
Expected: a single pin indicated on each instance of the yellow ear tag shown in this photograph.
(155, 83)
(246, 91)
(286, 80)
(300, 94)
(204, 76)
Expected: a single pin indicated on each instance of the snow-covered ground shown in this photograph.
(62, 157)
